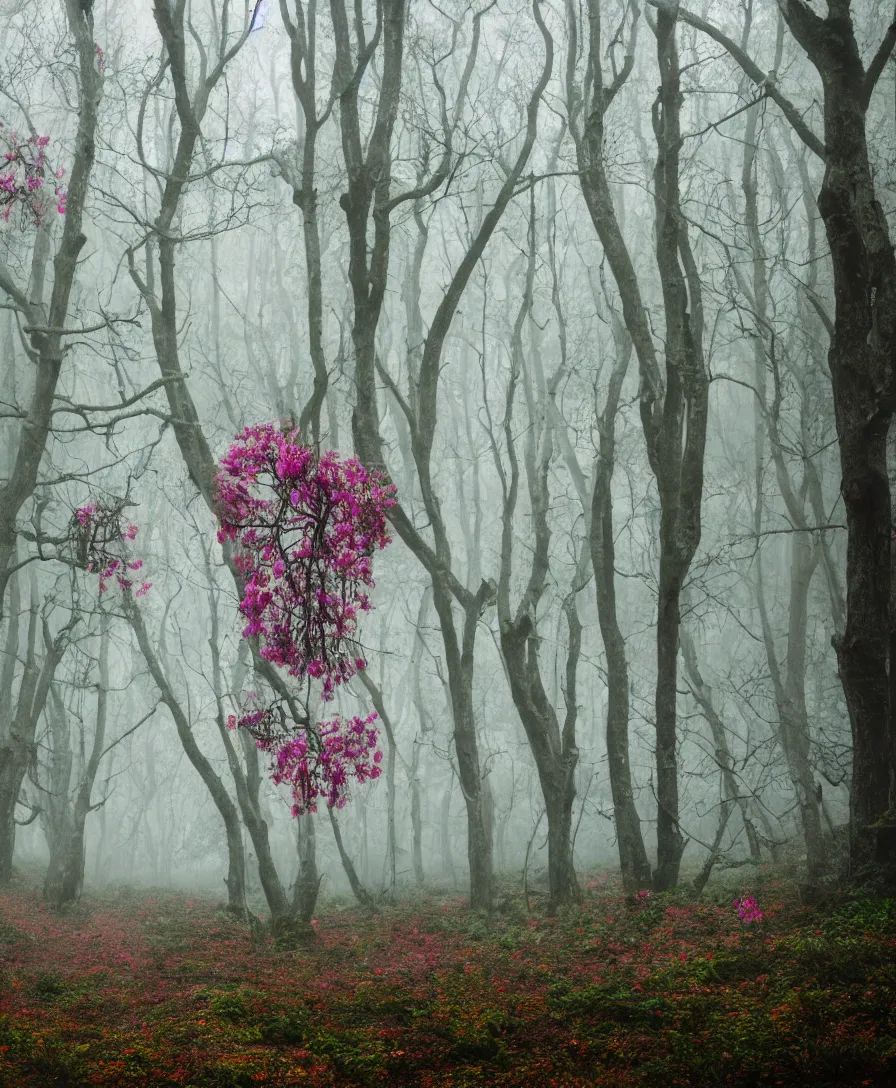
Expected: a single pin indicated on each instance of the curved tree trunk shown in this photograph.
(236, 871)
(358, 890)
(47, 347)
(633, 860)
(673, 409)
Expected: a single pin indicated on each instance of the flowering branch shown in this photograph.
(306, 526)
(23, 170)
(99, 534)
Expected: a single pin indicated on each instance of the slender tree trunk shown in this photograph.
(236, 869)
(445, 833)
(47, 347)
(722, 751)
(633, 860)
(674, 412)
(416, 815)
(17, 739)
(358, 890)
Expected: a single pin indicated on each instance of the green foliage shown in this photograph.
(857, 917)
(283, 1027)
(48, 985)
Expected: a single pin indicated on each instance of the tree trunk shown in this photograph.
(862, 363)
(308, 879)
(460, 684)
(12, 774)
(47, 348)
(416, 816)
(633, 860)
(674, 412)
(703, 695)
(236, 871)
(17, 734)
(445, 833)
(358, 890)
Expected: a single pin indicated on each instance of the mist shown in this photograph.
(580, 316)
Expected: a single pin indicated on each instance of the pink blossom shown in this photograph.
(22, 181)
(100, 545)
(748, 909)
(306, 526)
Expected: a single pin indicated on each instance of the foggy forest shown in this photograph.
(447, 565)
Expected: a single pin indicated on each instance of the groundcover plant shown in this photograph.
(143, 988)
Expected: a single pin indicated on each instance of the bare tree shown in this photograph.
(46, 324)
(861, 362)
(674, 406)
(21, 712)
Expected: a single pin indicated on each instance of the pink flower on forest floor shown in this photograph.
(748, 909)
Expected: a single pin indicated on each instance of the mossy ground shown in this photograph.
(160, 989)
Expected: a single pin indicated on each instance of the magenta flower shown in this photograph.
(99, 540)
(748, 909)
(23, 177)
(306, 527)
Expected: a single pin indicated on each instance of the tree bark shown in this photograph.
(633, 860)
(674, 411)
(236, 871)
(49, 321)
(17, 739)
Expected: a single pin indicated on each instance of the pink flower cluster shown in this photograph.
(307, 527)
(100, 537)
(23, 170)
(318, 763)
(748, 909)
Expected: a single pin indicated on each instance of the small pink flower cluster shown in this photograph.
(99, 534)
(748, 909)
(23, 169)
(642, 899)
(320, 765)
(307, 527)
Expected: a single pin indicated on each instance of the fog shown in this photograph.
(605, 289)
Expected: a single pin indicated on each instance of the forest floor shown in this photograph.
(156, 988)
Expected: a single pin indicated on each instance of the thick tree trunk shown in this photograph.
(862, 360)
(669, 840)
(460, 683)
(680, 437)
(248, 799)
(308, 879)
(555, 760)
(13, 765)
